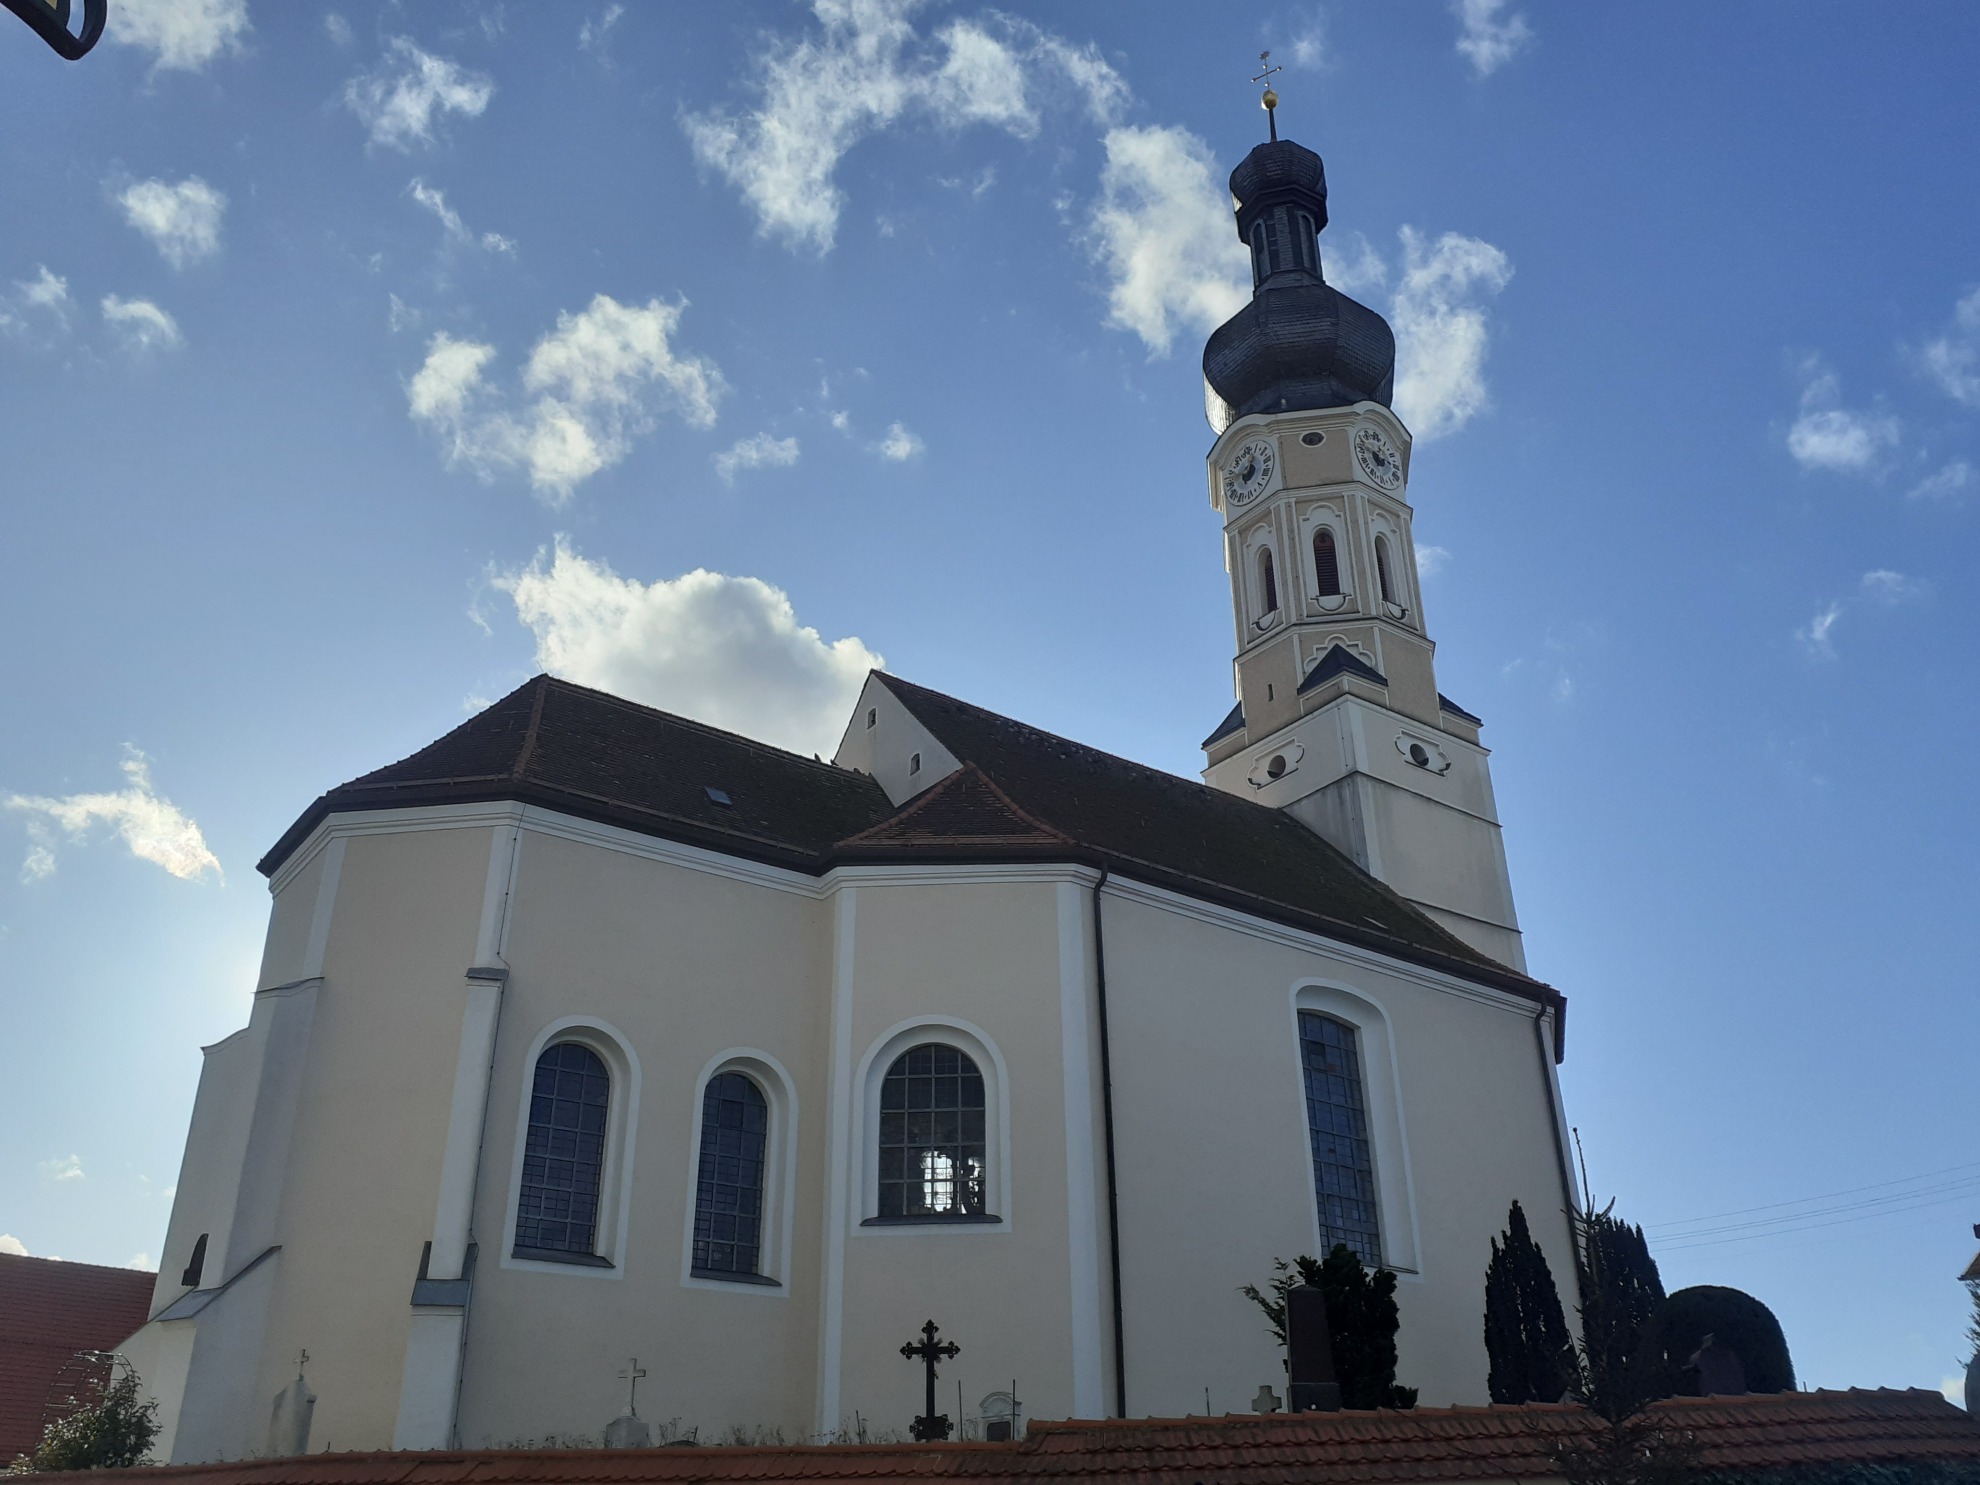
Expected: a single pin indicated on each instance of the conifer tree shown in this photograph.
(1620, 1291)
(1362, 1320)
(1526, 1334)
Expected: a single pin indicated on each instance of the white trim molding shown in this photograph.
(780, 1146)
(971, 1040)
(621, 1125)
(1381, 1090)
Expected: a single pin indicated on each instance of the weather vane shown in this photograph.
(1271, 98)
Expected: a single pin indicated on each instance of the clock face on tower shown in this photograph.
(1249, 471)
(1378, 458)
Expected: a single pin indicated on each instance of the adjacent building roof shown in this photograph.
(50, 1310)
(1023, 794)
(1421, 1446)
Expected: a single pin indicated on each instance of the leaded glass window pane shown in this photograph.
(1337, 1122)
(564, 1152)
(931, 1135)
(728, 1200)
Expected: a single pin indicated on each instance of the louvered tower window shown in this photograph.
(1382, 569)
(1268, 584)
(1326, 563)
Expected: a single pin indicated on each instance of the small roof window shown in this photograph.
(718, 796)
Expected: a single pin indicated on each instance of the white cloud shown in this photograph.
(1441, 331)
(1953, 360)
(1835, 438)
(1309, 47)
(337, 29)
(592, 385)
(1944, 485)
(864, 70)
(143, 1261)
(900, 445)
(142, 325)
(11, 1244)
(728, 651)
(435, 201)
(181, 34)
(1162, 233)
(182, 221)
(1432, 560)
(398, 101)
(62, 1168)
(1951, 1388)
(45, 290)
(592, 33)
(758, 451)
(1487, 36)
(1881, 585)
(155, 829)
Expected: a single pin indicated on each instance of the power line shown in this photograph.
(1803, 1201)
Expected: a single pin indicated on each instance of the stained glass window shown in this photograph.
(564, 1152)
(931, 1135)
(1337, 1122)
(728, 1200)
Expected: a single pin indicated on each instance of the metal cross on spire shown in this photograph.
(1271, 99)
(931, 1425)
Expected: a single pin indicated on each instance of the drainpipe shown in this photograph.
(1555, 1119)
(1107, 1119)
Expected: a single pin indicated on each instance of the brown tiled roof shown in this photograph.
(1417, 1447)
(49, 1310)
(1022, 795)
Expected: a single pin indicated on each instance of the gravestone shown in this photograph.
(1720, 1371)
(628, 1432)
(1310, 1384)
(289, 1419)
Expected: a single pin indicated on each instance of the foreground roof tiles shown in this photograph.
(50, 1310)
(1022, 794)
(1417, 1447)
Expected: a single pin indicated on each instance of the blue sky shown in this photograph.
(356, 365)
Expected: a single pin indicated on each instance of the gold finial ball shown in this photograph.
(1270, 101)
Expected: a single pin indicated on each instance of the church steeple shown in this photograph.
(1339, 721)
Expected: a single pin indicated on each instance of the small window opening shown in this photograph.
(1419, 755)
(1270, 694)
(1258, 264)
(1313, 438)
(1277, 767)
(196, 1266)
(1309, 244)
(1326, 564)
(718, 796)
(1382, 569)
(1268, 583)
(914, 764)
(872, 715)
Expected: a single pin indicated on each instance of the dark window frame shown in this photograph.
(565, 1143)
(732, 1174)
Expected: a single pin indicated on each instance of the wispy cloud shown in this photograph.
(140, 324)
(1953, 360)
(590, 387)
(1441, 329)
(1488, 35)
(1431, 560)
(38, 305)
(62, 1168)
(155, 829)
(457, 233)
(1881, 586)
(1831, 437)
(758, 451)
(864, 69)
(900, 445)
(728, 651)
(181, 35)
(1948, 483)
(182, 221)
(402, 100)
(592, 34)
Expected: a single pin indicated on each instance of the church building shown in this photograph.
(593, 1045)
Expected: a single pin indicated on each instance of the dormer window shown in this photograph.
(872, 716)
(1326, 564)
(1382, 577)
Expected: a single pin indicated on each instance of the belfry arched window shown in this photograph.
(728, 1200)
(1268, 584)
(1382, 574)
(1309, 242)
(564, 1153)
(1337, 1126)
(1326, 564)
(1258, 259)
(932, 1142)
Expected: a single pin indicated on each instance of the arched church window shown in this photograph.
(1268, 584)
(1258, 261)
(932, 1143)
(1337, 1125)
(1309, 243)
(728, 1201)
(563, 1153)
(1382, 576)
(1326, 564)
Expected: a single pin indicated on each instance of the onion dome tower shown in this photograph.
(1338, 718)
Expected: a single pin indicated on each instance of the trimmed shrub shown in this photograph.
(1735, 1320)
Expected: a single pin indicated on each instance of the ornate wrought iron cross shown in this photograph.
(1271, 98)
(931, 1425)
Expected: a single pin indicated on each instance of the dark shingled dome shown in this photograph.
(1300, 343)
